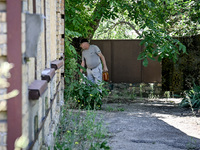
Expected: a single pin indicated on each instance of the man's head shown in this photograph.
(84, 44)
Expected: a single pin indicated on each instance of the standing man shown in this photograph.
(92, 57)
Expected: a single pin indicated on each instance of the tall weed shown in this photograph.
(80, 131)
(192, 98)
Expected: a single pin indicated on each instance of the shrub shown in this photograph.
(88, 95)
(82, 93)
(192, 98)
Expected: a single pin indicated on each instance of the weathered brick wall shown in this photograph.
(3, 53)
(48, 49)
(39, 117)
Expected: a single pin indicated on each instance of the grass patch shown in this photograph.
(112, 109)
(81, 130)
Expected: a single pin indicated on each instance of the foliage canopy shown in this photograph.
(157, 22)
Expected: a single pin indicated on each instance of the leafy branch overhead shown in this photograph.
(155, 21)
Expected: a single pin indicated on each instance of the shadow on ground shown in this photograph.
(151, 125)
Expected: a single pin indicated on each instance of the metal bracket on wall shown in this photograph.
(36, 89)
(56, 64)
(48, 74)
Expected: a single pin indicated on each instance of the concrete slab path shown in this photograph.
(151, 125)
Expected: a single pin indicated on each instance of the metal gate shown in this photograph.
(121, 58)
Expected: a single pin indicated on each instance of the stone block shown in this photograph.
(62, 70)
(4, 138)
(33, 121)
(58, 8)
(41, 109)
(62, 49)
(23, 37)
(23, 47)
(3, 92)
(31, 70)
(61, 96)
(3, 115)
(36, 146)
(58, 42)
(58, 94)
(24, 6)
(58, 23)
(2, 16)
(3, 49)
(3, 126)
(57, 117)
(3, 27)
(40, 138)
(62, 7)
(53, 86)
(62, 42)
(23, 17)
(47, 123)
(62, 26)
(2, 5)
(3, 106)
(62, 83)
(23, 25)
(3, 147)
(60, 54)
(3, 38)
(25, 124)
(49, 140)
(54, 108)
(58, 72)
(44, 147)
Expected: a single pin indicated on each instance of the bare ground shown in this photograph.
(144, 124)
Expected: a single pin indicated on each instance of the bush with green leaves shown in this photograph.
(80, 92)
(83, 93)
(192, 98)
(89, 95)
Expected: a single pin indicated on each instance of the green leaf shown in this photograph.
(142, 42)
(145, 62)
(160, 58)
(141, 56)
(80, 92)
(151, 57)
(184, 49)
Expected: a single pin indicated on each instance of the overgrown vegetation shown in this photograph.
(81, 131)
(155, 21)
(192, 98)
(79, 92)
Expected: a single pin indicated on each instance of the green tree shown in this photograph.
(157, 20)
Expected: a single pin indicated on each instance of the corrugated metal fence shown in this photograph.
(121, 57)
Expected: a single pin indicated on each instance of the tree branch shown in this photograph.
(121, 22)
(124, 22)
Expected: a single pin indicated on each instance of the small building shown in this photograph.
(32, 39)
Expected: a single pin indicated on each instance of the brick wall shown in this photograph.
(39, 117)
(48, 49)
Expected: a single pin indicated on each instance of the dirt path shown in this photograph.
(151, 125)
